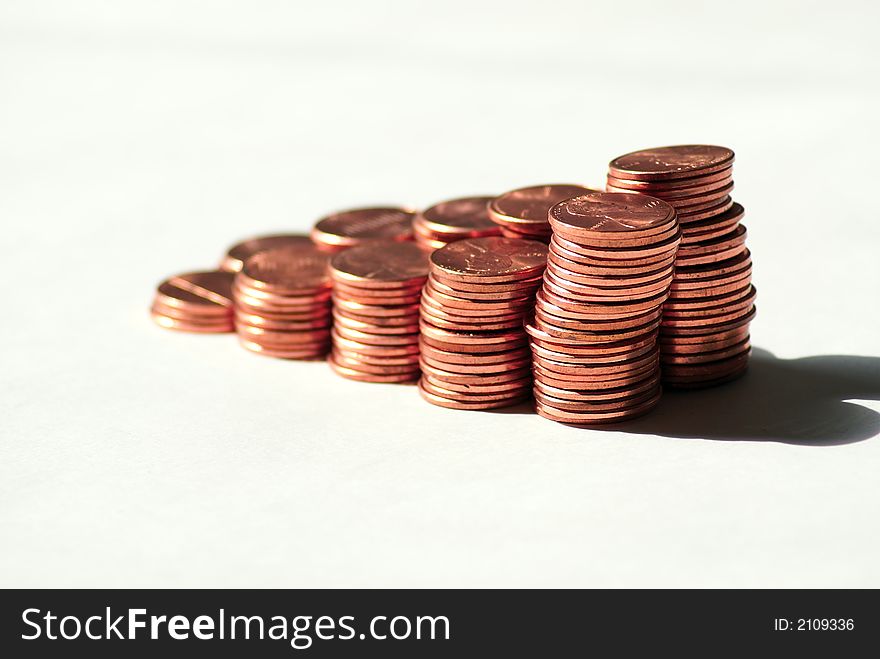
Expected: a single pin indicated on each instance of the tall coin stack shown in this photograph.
(474, 350)
(195, 302)
(522, 213)
(376, 291)
(282, 302)
(704, 337)
(594, 334)
(456, 219)
(357, 226)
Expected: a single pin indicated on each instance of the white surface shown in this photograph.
(140, 139)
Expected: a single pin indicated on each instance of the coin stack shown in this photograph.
(376, 292)
(704, 337)
(522, 213)
(241, 252)
(474, 351)
(282, 302)
(457, 219)
(594, 334)
(195, 302)
(360, 225)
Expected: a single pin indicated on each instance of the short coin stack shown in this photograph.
(522, 213)
(704, 338)
(474, 350)
(241, 252)
(195, 302)
(282, 302)
(594, 334)
(376, 292)
(457, 219)
(361, 225)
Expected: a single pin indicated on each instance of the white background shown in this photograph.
(138, 140)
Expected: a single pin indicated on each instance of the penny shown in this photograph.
(376, 339)
(735, 264)
(670, 184)
(491, 259)
(452, 388)
(471, 348)
(281, 337)
(741, 319)
(293, 269)
(494, 367)
(464, 217)
(194, 302)
(364, 376)
(341, 342)
(378, 369)
(480, 308)
(575, 395)
(489, 292)
(609, 255)
(242, 251)
(214, 285)
(259, 322)
(542, 351)
(694, 343)
(458, 404)
(518, 288)
(671, 162)
(411, 360)
(312, 351)
(526, 208)
(189, 303)
(696, 188)
(587, 293)
(445, 375)
(456, 357)
(587, 264)
(597, 383)
(437, 309)
(343, 321)
(377, 310)
(381, 265)
(410, 317)
(708, 355)
(471, 396)
(605, 281)
(610, 215)
(686, 217)
(581, 308)
(473, 326)
(595, 418)
(182, 325)
(359, 225)
(735, 237)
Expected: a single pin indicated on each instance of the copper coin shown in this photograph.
(609, 309)
(699, 287)
(552, 334)
(491, 259)
(376, 339)
(467, 405)
(519, 288)
(169, 295)
(599, 369)
(733, 238)
(495, 367)
(260, 322)
(470, 327)
(578, 261)
(381, 265)
(590, 395)
(411, 360)
(688, 216)
(707, 356)
(371, 328)
(698, 317)
(606, 254)
(444, 375)
(594, 313)
(729, 218)
(456, 357)
(525, 208)
(344, 360)
(183, 325)
(610, 215)
(364, 376)
(697, 187)
(439, 310)
(596, 407)
(471, 348)
(505, 388)
(292, 269)
(647, 187)
(671, 162)
(265, 298)
(411, 318)
(466, 215)
(707, 272)
(556, 316)
(343, 343)
(707, 369)
(241, 252)
(372, 310)
(710, 258)
(303, 352)
(694, 343)
(544, 352)
(479, 308)
(502, 338)
(287, 338)
(380, 297)
(595, 418)
(607, 281)
(519, 292)
(710, 304)
(592, 293)
(599, 383)
(428, 245)
(213, 285)
(256, 316)
(431, 386)
(353, 227)
(703, 328)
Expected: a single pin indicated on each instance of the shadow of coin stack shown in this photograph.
(376, 293)
(453, 220)
(522, 213)
(282, 302)
(195, 302)
(594, 333)
(474, 350)
(358, 226)
(704, 337)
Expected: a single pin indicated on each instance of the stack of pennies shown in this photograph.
(241, 252)
(376, 293)
(522, 213)
(357, 226)
(282, 302)
(474, 349)
(195, 302)
(456, 219)
(704, 337)
(594, 333)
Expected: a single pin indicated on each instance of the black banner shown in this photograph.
(435, 623)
